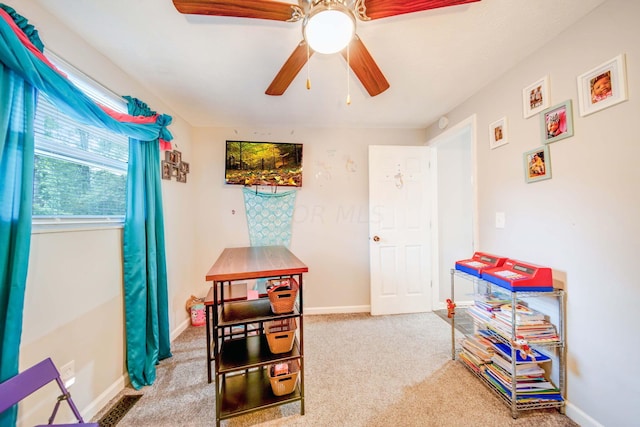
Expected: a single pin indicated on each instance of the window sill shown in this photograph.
(68, 225)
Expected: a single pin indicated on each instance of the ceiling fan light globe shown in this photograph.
(329, 31)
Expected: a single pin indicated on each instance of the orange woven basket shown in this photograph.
(280, 335)
(286, 383)
(282, 301)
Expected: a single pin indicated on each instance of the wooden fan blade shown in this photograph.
(260, 9)
(365, 68)
(289, 70)
(376, 9)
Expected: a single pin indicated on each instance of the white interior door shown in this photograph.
(399, 229)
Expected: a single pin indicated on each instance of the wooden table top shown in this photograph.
(255, 262)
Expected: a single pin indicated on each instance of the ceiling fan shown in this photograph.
(311, 11)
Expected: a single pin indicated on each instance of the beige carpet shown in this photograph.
(359, 371)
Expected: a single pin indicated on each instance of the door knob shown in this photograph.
(376, 238)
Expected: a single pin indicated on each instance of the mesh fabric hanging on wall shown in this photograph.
(269, 217)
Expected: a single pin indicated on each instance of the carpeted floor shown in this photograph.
(360, 371)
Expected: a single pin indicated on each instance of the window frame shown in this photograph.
(104, 96)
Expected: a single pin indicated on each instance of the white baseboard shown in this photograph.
(367, 308)
(101, 401)
(338, 310)
(441, 305)
(580, 417)
(180, 329)
(112, 391)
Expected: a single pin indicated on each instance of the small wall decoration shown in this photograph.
(173, 166)
(537, 166)
(603, 86)
(557, 122)
(167, 169)
(535, 97)
(498, 133)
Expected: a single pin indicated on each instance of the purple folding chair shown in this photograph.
(22, 385)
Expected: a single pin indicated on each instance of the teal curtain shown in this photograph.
(17, 111)
(25, 71)
(145, 270)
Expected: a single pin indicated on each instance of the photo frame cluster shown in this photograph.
(601, 87)
(173, 166)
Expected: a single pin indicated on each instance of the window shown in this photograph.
(80, 170)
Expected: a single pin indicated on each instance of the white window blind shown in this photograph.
(80, 170)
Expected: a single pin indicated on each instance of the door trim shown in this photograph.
(470, 122)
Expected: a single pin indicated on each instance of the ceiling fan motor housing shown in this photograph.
(329, 26)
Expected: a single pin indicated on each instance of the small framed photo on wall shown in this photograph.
(167, 169)
(498, 133)
(177, 157)
(557, 122)
(535, 97)
(169, 157)
(537, 166)
(603, 86)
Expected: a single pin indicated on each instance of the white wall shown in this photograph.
(330, 226)
(584, 221)
(74, 303)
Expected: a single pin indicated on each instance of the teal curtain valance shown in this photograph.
(19, 55)
(23, 23)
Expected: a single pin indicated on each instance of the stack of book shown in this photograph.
(476, 351)
(485, 307)
(530, 324)
(531, 384)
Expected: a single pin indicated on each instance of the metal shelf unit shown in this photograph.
(558, 346)
(242, 357)
(237, 343)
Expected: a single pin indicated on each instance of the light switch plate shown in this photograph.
(67, 373)
(500, 219)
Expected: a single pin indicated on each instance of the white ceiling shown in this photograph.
(213, 71)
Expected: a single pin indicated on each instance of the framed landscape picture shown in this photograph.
(263, 163)
(535, 97)
(603, 86)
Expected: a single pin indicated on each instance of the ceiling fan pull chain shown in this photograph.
(308, 66)
(348, 83)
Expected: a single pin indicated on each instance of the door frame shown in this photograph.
(470, 122)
